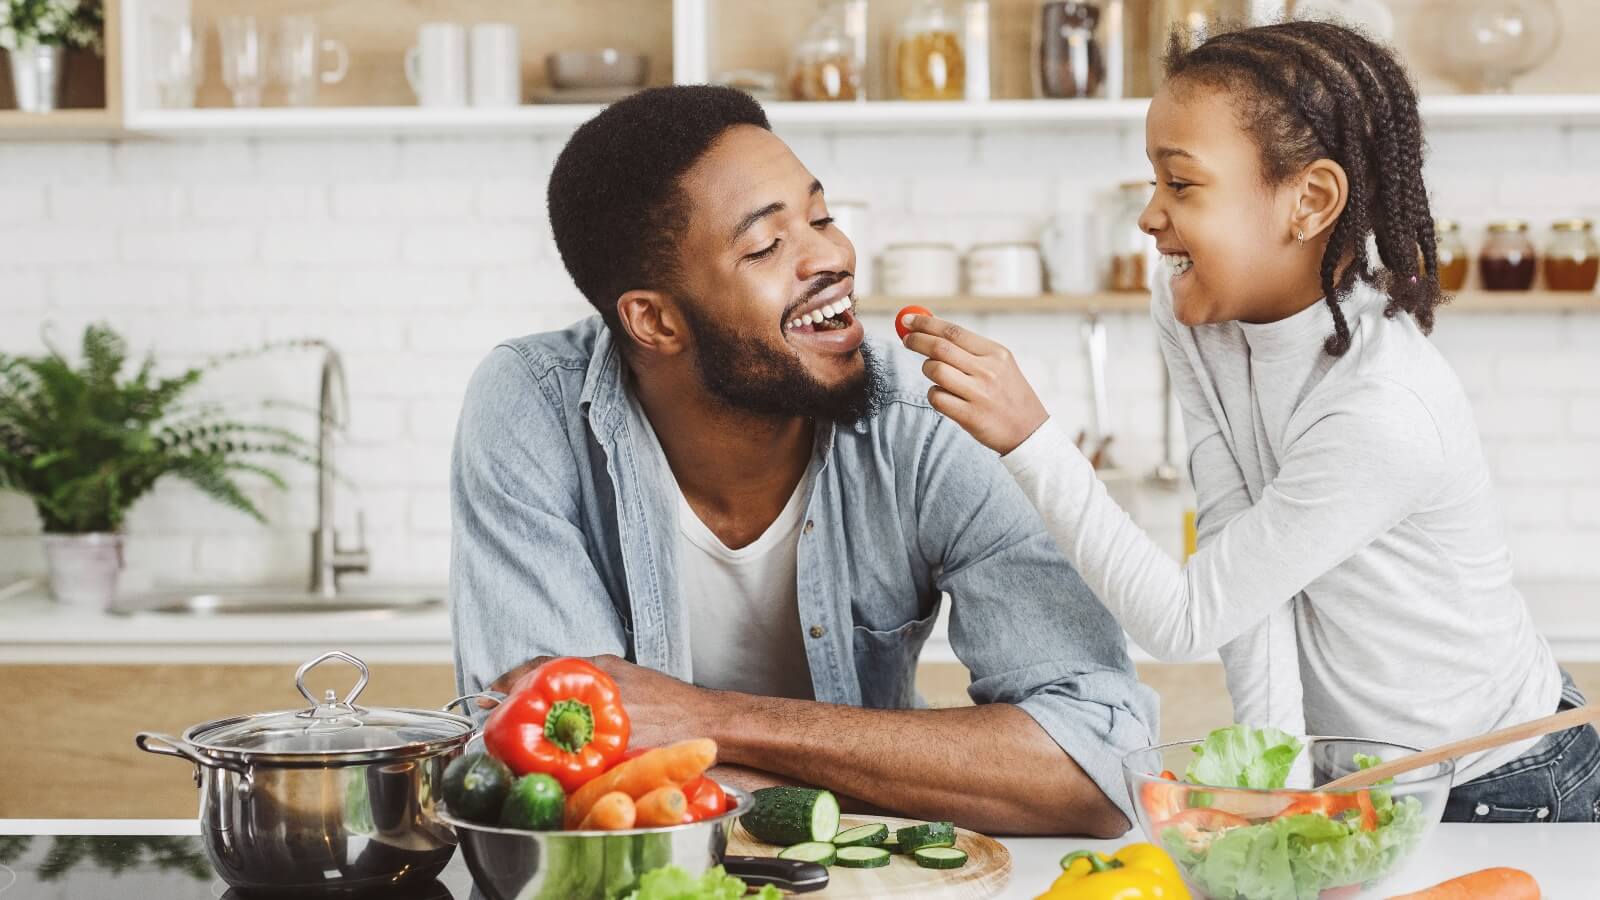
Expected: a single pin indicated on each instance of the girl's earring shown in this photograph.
(1300, 236)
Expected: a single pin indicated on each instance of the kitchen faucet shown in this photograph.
(328, 559)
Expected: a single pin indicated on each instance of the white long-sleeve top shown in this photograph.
(1351, 565)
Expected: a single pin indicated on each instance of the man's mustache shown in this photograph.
(822, 283)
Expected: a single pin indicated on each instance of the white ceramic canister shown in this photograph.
(1005, 270)
(920, 270)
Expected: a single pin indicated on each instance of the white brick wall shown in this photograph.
(415, 256)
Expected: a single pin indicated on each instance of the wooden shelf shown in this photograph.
(1466, 301)
(395, 120)
(63, 123)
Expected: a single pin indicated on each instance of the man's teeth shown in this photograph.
(816, 316)
(1177, 263)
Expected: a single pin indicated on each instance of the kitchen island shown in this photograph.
(1561, 856)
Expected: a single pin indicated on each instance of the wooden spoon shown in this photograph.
(1572, 718)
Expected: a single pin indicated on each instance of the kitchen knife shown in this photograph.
(789, 874)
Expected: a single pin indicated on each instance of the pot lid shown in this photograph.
(332, 726)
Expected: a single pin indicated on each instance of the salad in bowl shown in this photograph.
(1242, 816)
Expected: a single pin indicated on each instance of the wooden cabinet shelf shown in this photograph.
(1466, 301)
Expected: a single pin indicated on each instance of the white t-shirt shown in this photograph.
(743, 605)
(1352, 568)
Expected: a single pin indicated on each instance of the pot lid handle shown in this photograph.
(332, 699)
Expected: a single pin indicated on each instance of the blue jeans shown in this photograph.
(1557, 780)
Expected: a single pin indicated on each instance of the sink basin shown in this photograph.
(284, 601)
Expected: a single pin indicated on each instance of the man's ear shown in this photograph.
(653, 321)
(1324, 190)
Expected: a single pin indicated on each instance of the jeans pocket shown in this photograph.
(887, 662)
(1493, 812)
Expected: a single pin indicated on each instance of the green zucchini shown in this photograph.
(536, 803)
(819, 852)
(475, 787)
(863, 857)
(862, 836)
(940, 858)
(792, 815)
(933, 834)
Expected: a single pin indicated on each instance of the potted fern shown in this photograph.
(84, 442)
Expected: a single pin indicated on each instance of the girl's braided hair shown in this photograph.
(1312, 90)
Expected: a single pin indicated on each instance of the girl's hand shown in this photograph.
(975, 382)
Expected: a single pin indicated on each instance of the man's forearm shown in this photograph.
(990, 768)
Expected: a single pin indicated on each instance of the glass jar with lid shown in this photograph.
(1067, 58)
(1572, 260)
(824, 64)
(1132, 253)
(929, 60)
(1451, 253)
(1508, 260)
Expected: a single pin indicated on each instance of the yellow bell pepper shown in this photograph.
(1136, 872)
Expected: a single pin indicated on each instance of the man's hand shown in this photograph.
(976, 383)
(661, 708)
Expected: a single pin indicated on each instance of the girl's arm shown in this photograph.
(1365, 464)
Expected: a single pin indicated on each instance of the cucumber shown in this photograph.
(475, 787)
(933, 834)
(792, 815)
(862, 836)
(940, 858)
(819, 852)
(536, 803)
(891, 843)
(863, 857)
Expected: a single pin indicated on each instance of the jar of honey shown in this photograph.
(1572, 261)
(1508, 259)
(1452, 254)
(929, 60)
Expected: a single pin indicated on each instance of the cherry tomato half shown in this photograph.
(899, 325)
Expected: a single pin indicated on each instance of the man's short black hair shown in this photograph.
(616, 208)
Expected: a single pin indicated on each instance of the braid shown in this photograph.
(1312, 90)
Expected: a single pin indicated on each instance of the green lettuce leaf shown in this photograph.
(673, 883)
(1241, 756)
(1296, 858)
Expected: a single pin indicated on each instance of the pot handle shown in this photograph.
(496, 696)
(350, 698)
(171, 746)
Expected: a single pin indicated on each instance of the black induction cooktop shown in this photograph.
(148, 867)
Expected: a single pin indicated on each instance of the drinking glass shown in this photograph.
(178, 60)
(245, 58)
(300, 52)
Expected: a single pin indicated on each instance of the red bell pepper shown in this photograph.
(564, 719)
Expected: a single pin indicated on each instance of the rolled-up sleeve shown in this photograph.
(1022, 620)
(522, 582)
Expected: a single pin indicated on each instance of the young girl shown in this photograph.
(1351, 567)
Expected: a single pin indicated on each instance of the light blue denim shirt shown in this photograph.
(564, 545)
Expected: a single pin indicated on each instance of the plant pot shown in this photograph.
(36, 77)
(84, 569)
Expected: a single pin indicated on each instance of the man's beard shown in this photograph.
(749, 376)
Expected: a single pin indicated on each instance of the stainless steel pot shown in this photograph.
(331, 801)
(513, 864)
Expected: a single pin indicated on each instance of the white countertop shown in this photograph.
(1561, 856)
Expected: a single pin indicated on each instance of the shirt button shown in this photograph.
(818, 631)
(1482, 810)
(1543, 813)
(809, 525)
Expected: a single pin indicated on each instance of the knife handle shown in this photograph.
(789, 874)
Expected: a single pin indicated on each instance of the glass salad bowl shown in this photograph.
(1240, 815)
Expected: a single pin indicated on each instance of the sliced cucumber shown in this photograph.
(891, 843)
(792, 815)
(819, 852)
(933, 834)
(863, 857)
(862, 836)
(940, 858)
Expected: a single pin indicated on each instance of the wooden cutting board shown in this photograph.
(985, 875)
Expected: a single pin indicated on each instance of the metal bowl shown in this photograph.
(608, 68)
(513, 864)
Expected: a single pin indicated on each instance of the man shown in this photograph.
(716, 490)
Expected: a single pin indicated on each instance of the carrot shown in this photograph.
(613, 812)
(676, 764)
(662, 806)
(1487, 884)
